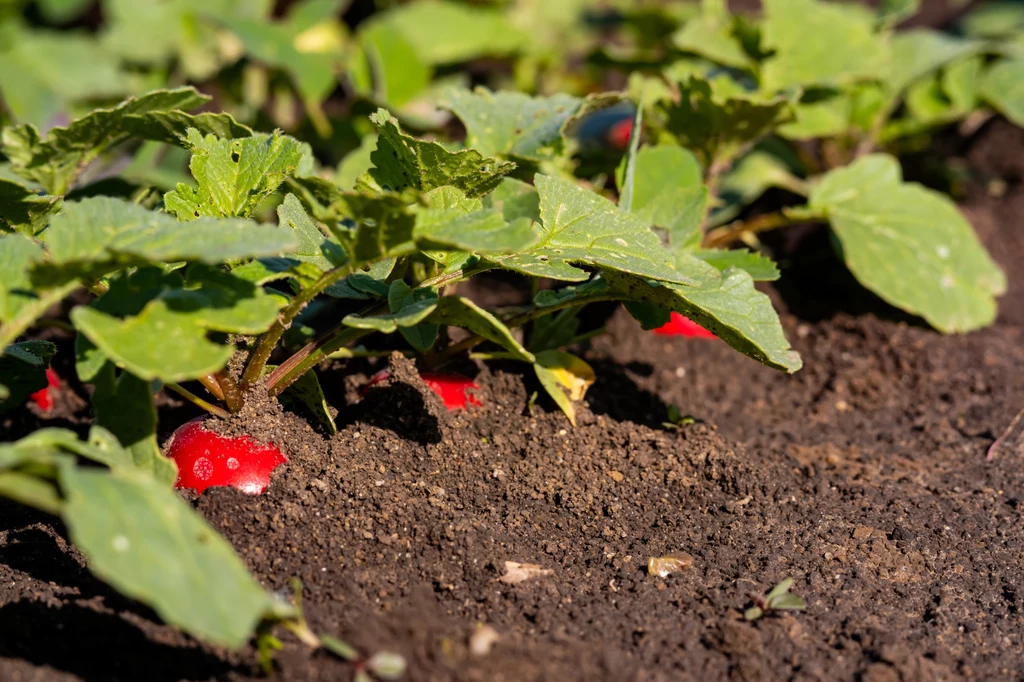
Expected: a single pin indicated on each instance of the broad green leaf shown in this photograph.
(580, 227)
(559, 372)
(1003, 87)
(44, 73)
(124, 406)
(910, 245)
(724, 303)
(718, 125)
(233, 176)
(457, 311)
(819, 43)
(143, 539)
(94, 236)
(515, 199)
(172, 126)
(994, 19)
(313, 246)
(17, 255)
(892, 12)
(356, 163)
(388, 66)
(512, 124)
(400, 296)
(23, 209)
(55, 161)
(445, 32)
(961, 81)
(712, 37)
(918, 52)
(402, 161)
(483, 232)
(409, 316)
(662, 168)
(23, 371)
(680, 212)
(274, 45)
(151, 326)
(759, 267)
(30, 490)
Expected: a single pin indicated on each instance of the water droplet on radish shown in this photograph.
(232, 463)
(203, 468)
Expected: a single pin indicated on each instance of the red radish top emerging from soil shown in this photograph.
(685, 327)
(206, 459)
(43, 397)
(452, 389)
(619, 134)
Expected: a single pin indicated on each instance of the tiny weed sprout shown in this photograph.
(778, 599)
(210, 250)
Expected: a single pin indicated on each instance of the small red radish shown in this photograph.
(43, 398)
(619, 134)
(452, 389)
(206, 459)
(685, 327)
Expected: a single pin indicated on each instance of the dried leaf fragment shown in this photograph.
(661, 566)
(516, 572)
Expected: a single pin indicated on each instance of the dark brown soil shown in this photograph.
(863, 477)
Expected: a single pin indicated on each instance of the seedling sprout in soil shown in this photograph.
(235, 280)
(778, 598)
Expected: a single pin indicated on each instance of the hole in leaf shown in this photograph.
(235, 156)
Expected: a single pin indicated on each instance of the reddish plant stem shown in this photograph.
(212, 385)
(229, 388)
(260, 356)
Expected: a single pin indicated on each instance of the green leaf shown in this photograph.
(23, 371)
(457, 311)
(759, 267)
(918, 52)
(313, 246)
(124, 406)
(648, 315)
(17, 255)
(515, 199)
(400, 296)
(447, 225)
(444, 32)
(409, 316)
(55, 161)
(583, 228)
(1003, 87)
(724, 303)
(233, 176)
(356, 163)
(151, 326)
(559, 371)
(712, 37)
(512, 124)
(892, 12)
(662, 168)
(172, 126)
(997, 19)
(95, 236)
(306, 391)
(626, 172)
(819, 43)
(716, 123)
(401, 161)
(388, 66)
(143, 539)
(23, 209)
(909, 245)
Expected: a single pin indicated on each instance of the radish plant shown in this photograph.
(223, 284)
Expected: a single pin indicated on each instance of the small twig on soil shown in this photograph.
(993, 449)
(199, 402)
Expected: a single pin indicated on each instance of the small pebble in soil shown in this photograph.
(673, 562)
